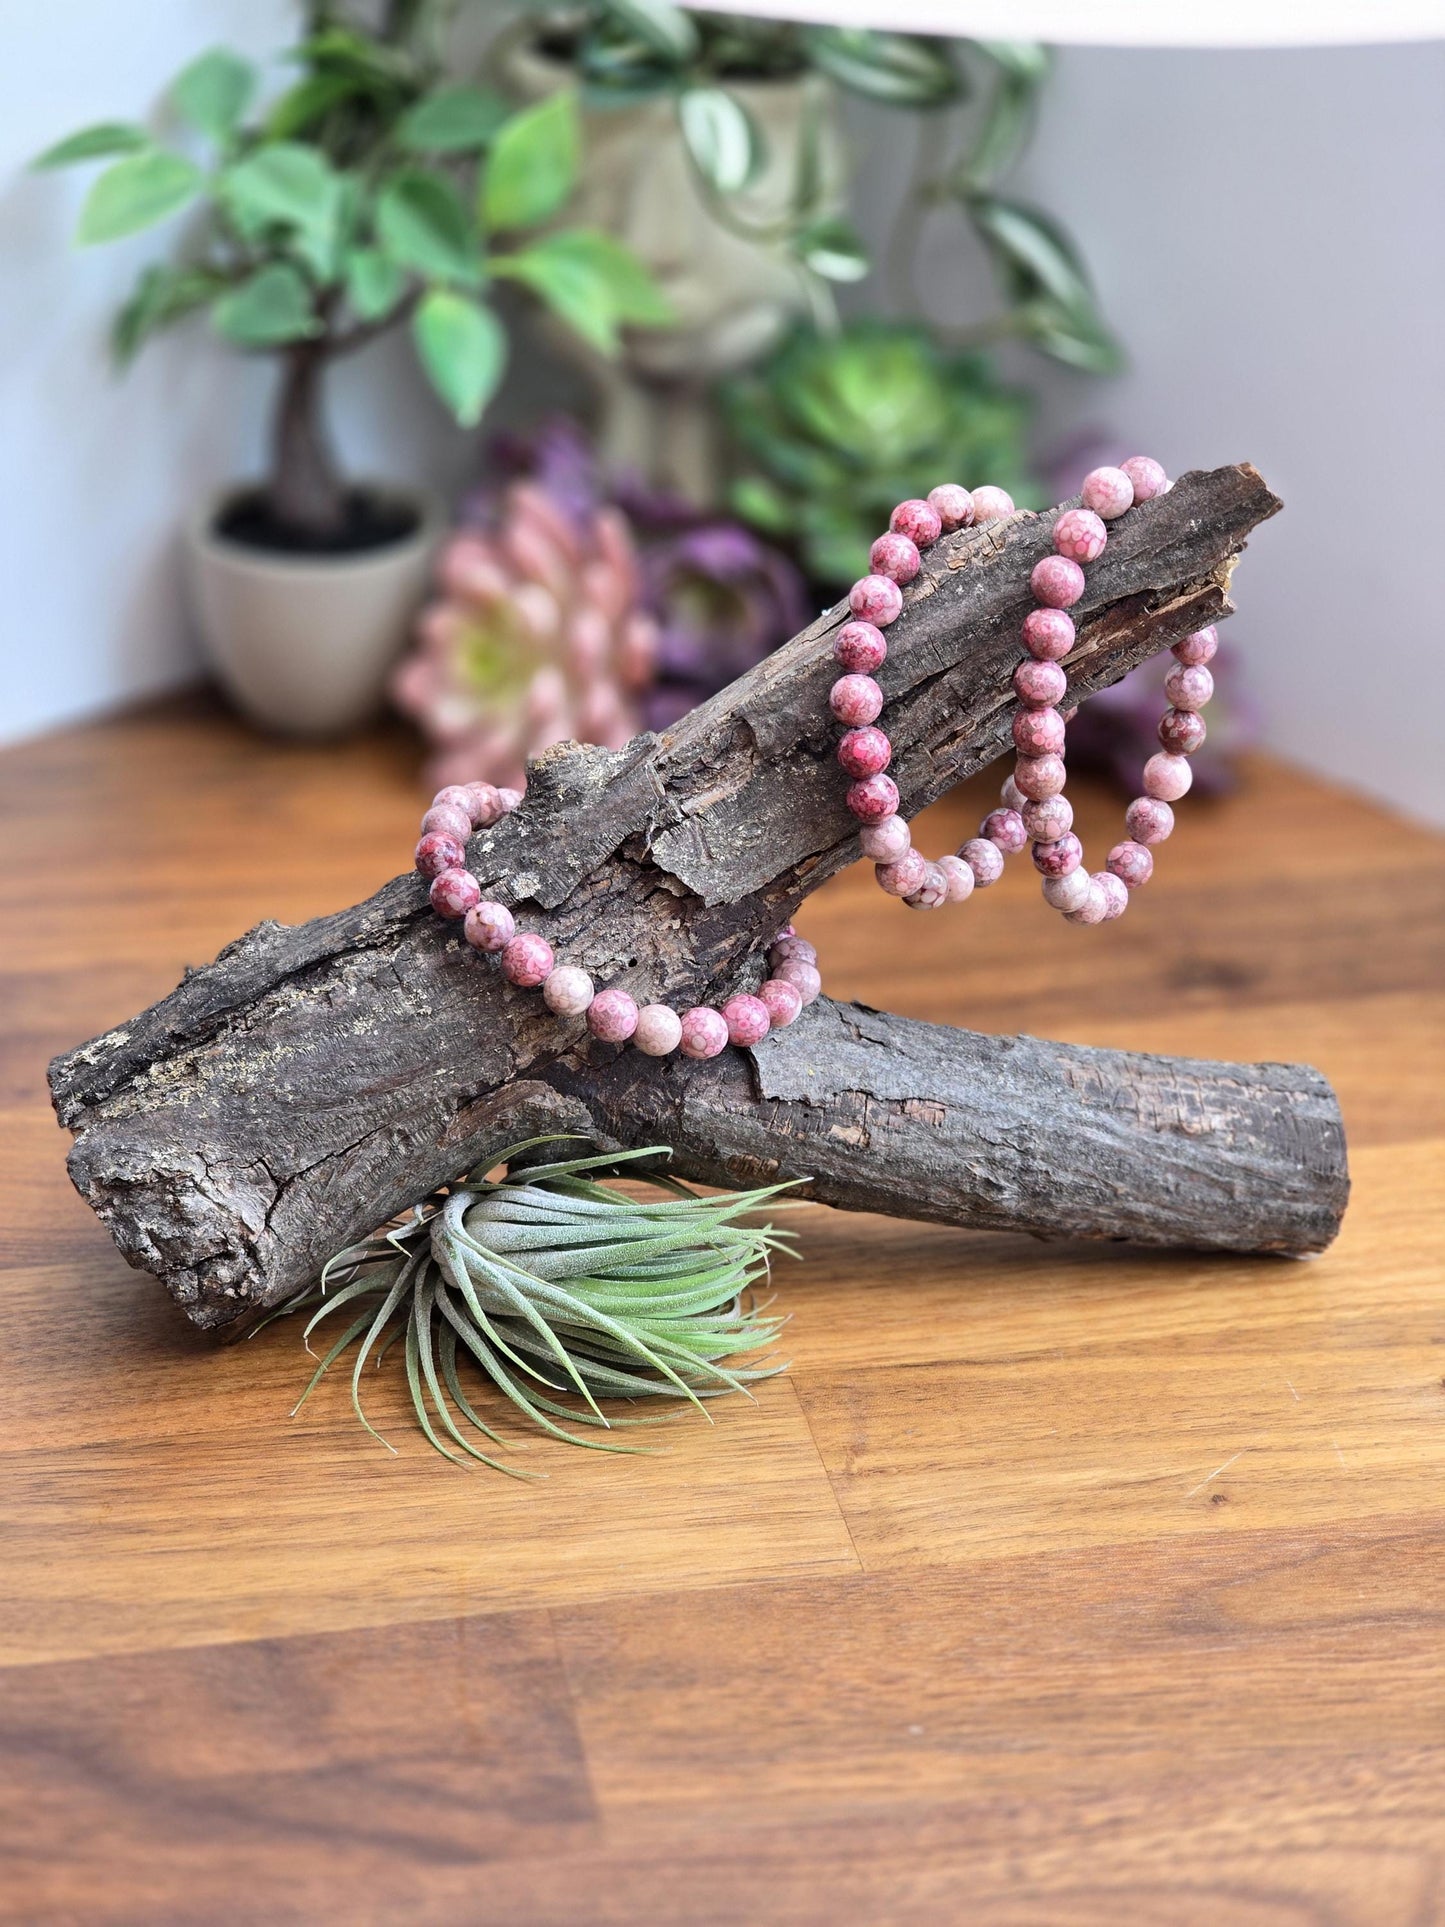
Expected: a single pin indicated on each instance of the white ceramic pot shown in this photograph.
(303, 643)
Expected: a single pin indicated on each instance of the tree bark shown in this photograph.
(304, 492)
(315, 1079)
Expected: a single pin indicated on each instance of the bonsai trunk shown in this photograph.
(305, 492)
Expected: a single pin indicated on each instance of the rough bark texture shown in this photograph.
(314, 1079)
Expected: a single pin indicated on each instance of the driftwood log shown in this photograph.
(313, 1080)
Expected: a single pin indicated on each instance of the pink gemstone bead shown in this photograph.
(453, 892)
(895, 556)
(1048, 819)
(1057, 582)
(527, 960)
(1132, 864)
(489, 926)
(802, 976)
(453, 797)
(1048, 634)
(1182, 731)
(568, 990)
(1058, 858)
(902, 878)
(1069, 891)
(704, 1032)
(794, 946)
(788, 930)
(510, 800)
(985, 859)
(1146, 477)
(1189, 685)
(1116, 893)
(1148, 819)
(1197, 648)
(932, 893)
(612, 1016)
(1038, 732)
(1167, 777)
(747, 1019)
(855, 699)
(885, 842)
(859, 648)
(1011, 796)
(873, 798)
(659, 1030)
(1108, 492)
(783, 1001)
(484, 805)
(1080, 535)
(1006, 828)
(1093, 907)
(865, 752)
(442, 820)
(876, 599)
(919, 521)
(959, 878)
(1040, 776)
(991, 505)
(437, 852)
(1040, 684)
(953, 505)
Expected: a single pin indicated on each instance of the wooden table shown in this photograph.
(1051, 1584)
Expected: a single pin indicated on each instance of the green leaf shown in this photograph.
(301, 107)
(721, 137)
(136, 193)
(373, 283)
(1032, 247)
(95, 143)
(213, 91)
(899, 69)
(458, 120)
(422, 224)
(833, 249)
(1075, 335)
(272, 307)
(161, 296)
(591, 281)
(463, 350)
(292, 187)
(533, 164)
(1002, 134)
(663, 29)
(762, 504)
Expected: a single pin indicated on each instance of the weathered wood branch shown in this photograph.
(314, 1079)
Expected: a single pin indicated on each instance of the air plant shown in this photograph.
(555, 1286)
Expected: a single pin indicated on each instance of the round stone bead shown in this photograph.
(437, 852)
(1189, 685)
(1108, 492)
(484, 804)
(865, 752)
(489, 926)
(918, 520)
(1131, 863)
(1092, 908)
(1040, 684)
(1116, 893)
(895, 556)
(859, 648)
(453, 797)
(902, 878)
(453, 892)
(885, 842)
(1057, 582)
(991, 505)
(932, 893)
(527, 960)
(1058, 858)
(959, 878)
(1148, 819)
(1006, 828)
(794, 946)
(1011, 796)
(1182, 731)
(568, 990)
(1080, 535)
(612, 1016)
(788, 930)
(747, 1019)
(985, 859)
(953, 506)
(855, 699)
(704, 1032)
(802, 976)
(1048, 819)
(1038, 732)
(876, 599)
(1197, 648)
(1040, 776)
(1048, 634)
(782, 1000)
(510, 800)
(1146, 477)
(443, 820)
(1069, 891)
(1166, 777)
(873, 798)
(659, 1030)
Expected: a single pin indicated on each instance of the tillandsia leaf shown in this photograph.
(557, 1286)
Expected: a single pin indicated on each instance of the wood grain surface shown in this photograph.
(1053, 1584)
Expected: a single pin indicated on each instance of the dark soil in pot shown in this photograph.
(370, 521)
